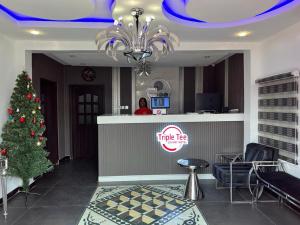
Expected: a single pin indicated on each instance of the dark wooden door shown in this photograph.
(87, 102)
(48, 91)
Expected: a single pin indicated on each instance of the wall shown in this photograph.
(46, 68)
(169, 74)
(73, 77)
(8, 76)
(235, 81)
(189, 89)
(281, 53)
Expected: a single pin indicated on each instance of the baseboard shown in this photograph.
(174, 177)
(65, 159)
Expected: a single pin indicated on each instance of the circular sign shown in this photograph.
(172, 138)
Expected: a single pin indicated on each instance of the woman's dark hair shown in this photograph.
(143, 99)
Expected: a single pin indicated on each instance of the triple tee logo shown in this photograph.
(172, 138)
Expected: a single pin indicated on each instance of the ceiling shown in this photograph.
(82, 19)
(178, 58)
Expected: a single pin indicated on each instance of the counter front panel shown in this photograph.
(132, 149)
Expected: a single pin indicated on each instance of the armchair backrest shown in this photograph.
(259, 152)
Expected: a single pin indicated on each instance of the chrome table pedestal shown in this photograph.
(3, 171)
(193, 190)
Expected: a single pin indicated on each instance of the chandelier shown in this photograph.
(143, 68)
(136, 41)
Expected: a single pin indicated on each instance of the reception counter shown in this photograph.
(133, 148)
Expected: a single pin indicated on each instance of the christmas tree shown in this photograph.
(22, 137)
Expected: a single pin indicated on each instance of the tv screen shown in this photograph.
(208, 102)
(160, 102)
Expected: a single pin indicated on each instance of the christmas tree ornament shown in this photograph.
(41, 138)
(32, 133)
(18, 110)
(29, 96)
(34, 95)
(10, 111)
(33, 112)
(34, 120)
(28, 86)
(10, 118)
(3, 152)
(22, 119)
(42, 123)
(39, 108)
(37, 100)
(39, 143)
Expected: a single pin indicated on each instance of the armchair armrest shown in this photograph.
(260, 166)
(228, 157)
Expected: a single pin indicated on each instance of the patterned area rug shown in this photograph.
(141, 205)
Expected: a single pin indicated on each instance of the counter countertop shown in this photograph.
(172, 118)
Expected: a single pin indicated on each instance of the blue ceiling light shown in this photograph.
(175, 10)
(277, 6)
(169, 10)
(25, 18)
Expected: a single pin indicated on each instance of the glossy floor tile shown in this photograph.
(66, 192)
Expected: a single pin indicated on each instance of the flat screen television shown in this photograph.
(208, 102)
(160, 102)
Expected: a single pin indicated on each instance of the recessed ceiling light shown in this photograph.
(243, 34)
(35, 32)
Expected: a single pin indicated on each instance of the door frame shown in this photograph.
(71, 105)
(54, 83)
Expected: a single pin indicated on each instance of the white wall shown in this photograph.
(169, 74)
(279, 54)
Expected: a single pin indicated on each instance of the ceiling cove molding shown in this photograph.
(21, 18)
(175, 10)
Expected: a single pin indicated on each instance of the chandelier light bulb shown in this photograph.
(116, 22)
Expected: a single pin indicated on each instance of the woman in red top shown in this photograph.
(143, 110)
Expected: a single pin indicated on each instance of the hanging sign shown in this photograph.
(172, 138)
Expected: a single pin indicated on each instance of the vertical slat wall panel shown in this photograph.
(278, 114)
(132, 149)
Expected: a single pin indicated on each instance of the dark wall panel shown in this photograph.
(236, 82)
(126, 89)
(189, 89)
(103, 77)
(220, 79)
(209, 79)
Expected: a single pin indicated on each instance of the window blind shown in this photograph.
(278, 112)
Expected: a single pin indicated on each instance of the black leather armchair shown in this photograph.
(237, 172)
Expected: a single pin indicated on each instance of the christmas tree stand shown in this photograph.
(27, 194)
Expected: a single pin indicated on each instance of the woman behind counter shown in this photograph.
(143, 110)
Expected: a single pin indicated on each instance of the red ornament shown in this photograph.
(22, 119)
(41, 138)
(10, 111)
(29, 96)
(37, 100)
(34, 120)
(32, 133)
(42, 123)
(3, 152)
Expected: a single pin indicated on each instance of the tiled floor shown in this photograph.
(66, 192)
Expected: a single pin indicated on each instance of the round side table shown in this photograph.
(193, 190)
